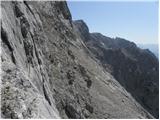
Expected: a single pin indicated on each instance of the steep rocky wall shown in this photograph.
(47, 73)
(25, 83)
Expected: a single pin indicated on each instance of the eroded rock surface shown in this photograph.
(48, 71)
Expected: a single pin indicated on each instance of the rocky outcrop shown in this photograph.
(135, 69)
(47, 71)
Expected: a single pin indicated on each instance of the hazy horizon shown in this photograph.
(133, 21)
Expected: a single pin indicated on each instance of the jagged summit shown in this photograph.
(82, 26)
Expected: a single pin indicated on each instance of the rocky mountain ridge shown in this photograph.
(136, 69)
(154, 48)
(48, 71)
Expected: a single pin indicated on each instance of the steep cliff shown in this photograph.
(137, 70)
(48, 71)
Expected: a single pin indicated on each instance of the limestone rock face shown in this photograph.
(48, 70)
(137, 70)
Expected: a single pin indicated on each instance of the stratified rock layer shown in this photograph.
(48, 72)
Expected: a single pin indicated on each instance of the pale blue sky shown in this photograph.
(134, 21)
